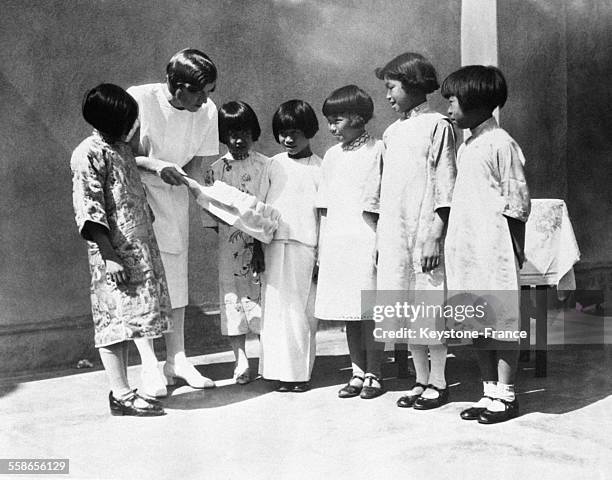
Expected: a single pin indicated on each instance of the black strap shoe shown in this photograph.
(283, 387)
(369, 391)
(511, 411)
(472, 413)
(349, 390)
(128, 407)
(422, 403)
(300, 387)
(407, 401)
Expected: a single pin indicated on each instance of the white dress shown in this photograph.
(289, 327)
(418, 178)
(169, 136)
(480, 257)
(350, 187)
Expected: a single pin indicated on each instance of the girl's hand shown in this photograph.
(172, 176)
(258, 264)
(430, 256)
(116, 272)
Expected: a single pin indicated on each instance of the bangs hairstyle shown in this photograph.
(295, 115)
(237, 116)
(413, 70)
(110, 110)
(476, 86)
(350, 100)
(190, 69)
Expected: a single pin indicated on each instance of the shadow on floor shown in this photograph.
(577, 377)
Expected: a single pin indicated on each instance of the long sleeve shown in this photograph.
(88, 178)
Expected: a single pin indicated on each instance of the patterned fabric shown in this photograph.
(551, 249)
(239, 289)
(107, 190)
(356, 143)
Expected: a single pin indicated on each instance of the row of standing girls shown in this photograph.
(372, 214)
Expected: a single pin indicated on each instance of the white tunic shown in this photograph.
(490, 186)
(350, 186)
(289, 327)
(418, 178)
(175, 136)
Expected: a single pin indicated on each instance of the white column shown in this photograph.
(479, 35)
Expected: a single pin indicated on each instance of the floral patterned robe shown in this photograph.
(239, 289)
(107, 190)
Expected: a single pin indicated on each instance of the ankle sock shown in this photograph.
(490, 390)
(504, 392)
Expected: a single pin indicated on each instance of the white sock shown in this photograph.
(504, 392)
(490, 390)
(437, 354)
(421, 363)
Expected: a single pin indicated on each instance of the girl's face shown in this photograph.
(455, 112)
(463, 119)
(294, 141)
(399, 100)
(341, 127)
(193, 101)
(239, 142)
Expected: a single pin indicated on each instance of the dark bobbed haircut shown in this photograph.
(190, 69)
(295, 115)
(413, 70)
(349, 99)
(110, 110)
(236, 116)
(476, 86)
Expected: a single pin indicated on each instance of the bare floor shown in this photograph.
(253, 432)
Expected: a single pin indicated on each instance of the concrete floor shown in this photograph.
(253, 432)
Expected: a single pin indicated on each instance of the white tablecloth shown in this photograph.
(550, 246)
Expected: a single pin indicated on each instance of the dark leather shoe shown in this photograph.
(422, 403)
(349, 390)
(407, 401)
(511, 411)
(283, 387)
(369, 391)
(300, 387)
(127, 406)
(472, 413)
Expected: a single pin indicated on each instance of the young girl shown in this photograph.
(178, 128)
(240, 256)
(289, 327)
(416, 191)
(129, 297)
(486, 229)
(348, 197)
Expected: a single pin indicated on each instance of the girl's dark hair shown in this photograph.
(476, 86)
(237, 116)
(295, 115)
(190, 69)
(413, 70)
(349, 100)
(110, 110)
